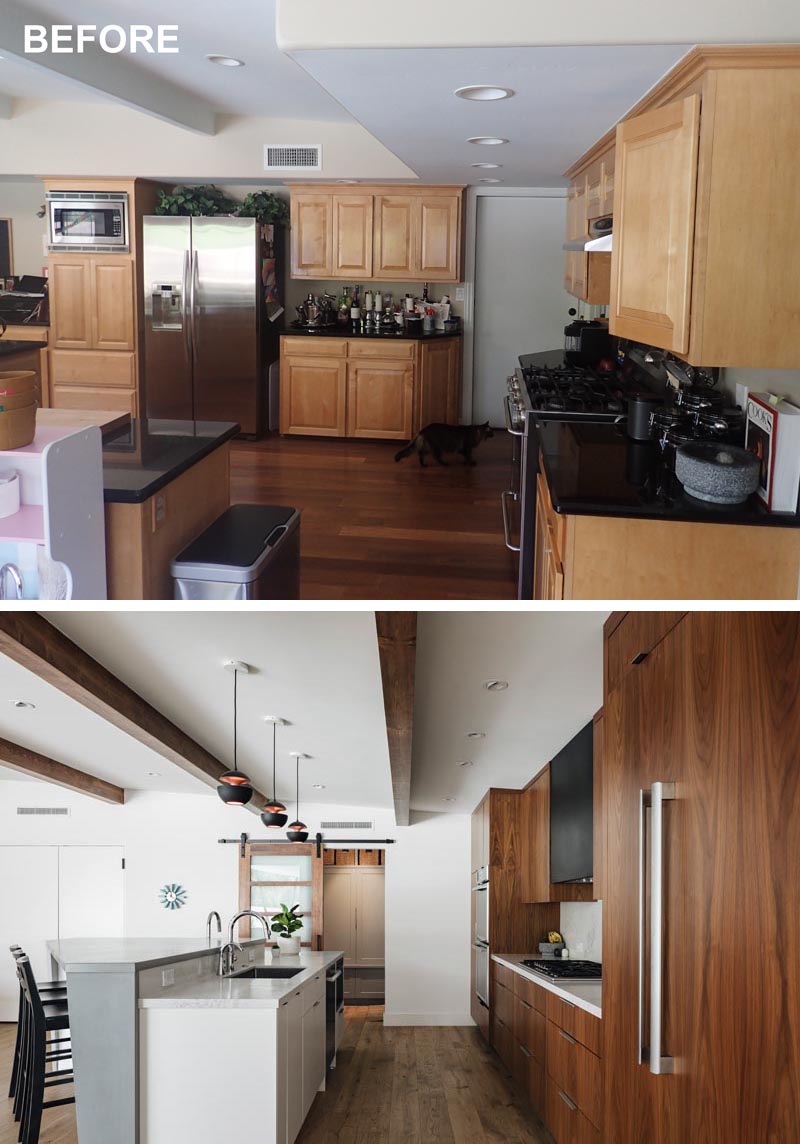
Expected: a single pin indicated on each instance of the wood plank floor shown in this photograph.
(373, 529)
(391, 1086)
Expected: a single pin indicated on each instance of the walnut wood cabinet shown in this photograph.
(704, 194)
(380, 233)
(369, 388)
(713, 708)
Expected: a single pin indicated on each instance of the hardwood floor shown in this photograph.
(373, 529)
(391, 1086)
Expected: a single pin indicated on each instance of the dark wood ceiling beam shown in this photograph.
(37, 766)
(29, 640)
(397, 647)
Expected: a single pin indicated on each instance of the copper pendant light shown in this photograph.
(274, 813)
(234, 788)
(297, 830)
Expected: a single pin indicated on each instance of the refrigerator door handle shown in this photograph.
(186, 303)
(654, 800)
(192, 295)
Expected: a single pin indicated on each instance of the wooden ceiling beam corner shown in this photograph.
(31, 641)
(36, 766)
(397, 648)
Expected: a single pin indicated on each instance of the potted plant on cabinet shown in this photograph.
(285, 924)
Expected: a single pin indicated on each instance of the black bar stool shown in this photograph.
(33, 1079)
(52, 991)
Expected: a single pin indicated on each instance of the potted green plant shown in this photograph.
(285, 924)
(203, 200)
(265, 207)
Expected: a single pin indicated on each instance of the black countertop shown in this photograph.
(8, 348)
(397, 335)
(597, 470)
(141, 458)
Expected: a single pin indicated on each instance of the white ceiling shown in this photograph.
(270, 84)
(553, 662)
(318, 670)
(566, 98)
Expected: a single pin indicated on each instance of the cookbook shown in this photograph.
(773, 435)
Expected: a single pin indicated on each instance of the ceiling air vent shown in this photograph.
(292, 157)
(42, 810)
(346, 825)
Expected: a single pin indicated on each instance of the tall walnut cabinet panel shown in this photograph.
(354, 922)
(711, 704)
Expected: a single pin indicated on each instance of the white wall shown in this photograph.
(19, 201)
(427, 922)
(786, 382)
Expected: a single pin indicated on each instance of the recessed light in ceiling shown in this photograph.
(490, 180)
(496, 684)
(487, 140)
(483, 92)
(319, 786)
(464, 763)
(23, 703)
(225, 61)
(487, 166)
(154, 774)
(448, 800)
(476, 734)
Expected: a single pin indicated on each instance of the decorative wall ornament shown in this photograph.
(172, 896)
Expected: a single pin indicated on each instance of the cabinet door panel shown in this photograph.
(380, 399)
(112, 297)
(369, 918)
(437, 246)
(339, 907)
(654, 212)
(352, 236)
(313, 397)
(70, 304)
(293, 1016)
(393, 251)
(312, 235)
(438, 383)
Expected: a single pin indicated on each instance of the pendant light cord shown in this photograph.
(274, 787)
(297, 797)
(235, 709)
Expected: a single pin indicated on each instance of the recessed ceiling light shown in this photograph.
(448, 800)
(349, 181)
(483, 91)
(487, 166)
(23, 703)
(476, 734)
(487, 140)
(490, 180)
(154, 774)
(496, 684)
(225, 61)
(319, 786)
(464, 763)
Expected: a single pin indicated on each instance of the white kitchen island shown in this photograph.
(166, 1051)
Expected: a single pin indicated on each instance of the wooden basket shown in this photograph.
(16, 383)
(18, 426)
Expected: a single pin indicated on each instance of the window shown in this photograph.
(273, 874)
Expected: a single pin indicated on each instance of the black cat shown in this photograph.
(439, 439)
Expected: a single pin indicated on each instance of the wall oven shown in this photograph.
(93, 222)
(481, 935)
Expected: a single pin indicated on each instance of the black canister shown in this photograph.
(641, 407)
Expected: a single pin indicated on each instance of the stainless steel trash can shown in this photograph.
(251, 552)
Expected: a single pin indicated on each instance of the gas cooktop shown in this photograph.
(557, 969)
(573, 392)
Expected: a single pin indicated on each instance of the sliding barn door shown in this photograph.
(275, 874)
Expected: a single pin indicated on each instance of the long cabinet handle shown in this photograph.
(525, 1052)
(567, 1037)
(571, 1105)
(654, 800)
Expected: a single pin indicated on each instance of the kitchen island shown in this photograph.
(160, 1041)
(164, 483)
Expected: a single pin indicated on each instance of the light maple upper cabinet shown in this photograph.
(312, 235)
(383, 233)
(651, 265)
(113, 304)
(70, 302)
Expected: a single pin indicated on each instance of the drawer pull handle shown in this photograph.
(524, 1051)
(639, 657)
(567, 1037)
(525, 1003)
(569, 1103)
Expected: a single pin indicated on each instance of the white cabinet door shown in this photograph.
(295, 1114)
(313, 1052)
(90, 891)
(29, 915)
(370, 910)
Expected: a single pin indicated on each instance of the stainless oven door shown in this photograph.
(481, 913)
(482, 973)
(510, 497)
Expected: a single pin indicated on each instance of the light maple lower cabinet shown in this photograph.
(365, 388)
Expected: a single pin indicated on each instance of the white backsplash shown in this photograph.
(582, 929)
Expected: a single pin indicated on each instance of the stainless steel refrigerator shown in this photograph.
(212, 310)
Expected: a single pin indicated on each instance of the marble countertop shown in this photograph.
(213, 992)
(96, 955)
(586, 995)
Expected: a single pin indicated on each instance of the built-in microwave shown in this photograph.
(88, 221)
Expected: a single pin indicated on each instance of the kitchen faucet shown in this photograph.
(227, 954)
(10, 570)
(213, 914)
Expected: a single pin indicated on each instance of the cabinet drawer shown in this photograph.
(530, 1028)
(313, 991)
(503, 1004)
(387, 350)
(503, 975)
(577, 1022)
(634, 637)
(95, 398)
(310, 346)
(556, 523)
(531, 1077)
(576, 1071)
(503, 1042)
(71, 367)
(566, 1122)
(531, 992)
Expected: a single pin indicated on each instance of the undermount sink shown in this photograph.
(267, 971)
